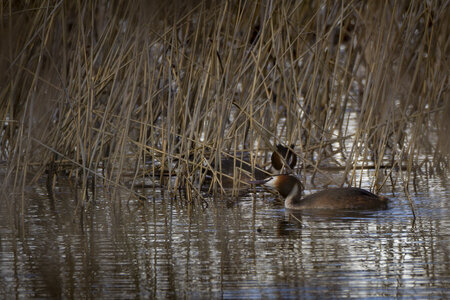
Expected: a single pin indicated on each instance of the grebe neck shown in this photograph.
(294, 197)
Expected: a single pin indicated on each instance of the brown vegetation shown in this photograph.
(127, 89)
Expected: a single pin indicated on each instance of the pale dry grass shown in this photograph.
(120, 90)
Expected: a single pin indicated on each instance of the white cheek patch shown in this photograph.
(271, 183)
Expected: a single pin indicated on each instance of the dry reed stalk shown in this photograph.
(168, 91)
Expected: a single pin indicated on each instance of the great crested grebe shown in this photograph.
(239, 170)
(280, 157)
(290, 187)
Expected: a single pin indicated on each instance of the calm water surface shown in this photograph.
(246, 248)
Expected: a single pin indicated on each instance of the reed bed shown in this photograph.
(122, 92)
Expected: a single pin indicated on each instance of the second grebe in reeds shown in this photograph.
(282, 156)
(235, 169)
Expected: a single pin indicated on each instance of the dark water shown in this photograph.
(246, 248)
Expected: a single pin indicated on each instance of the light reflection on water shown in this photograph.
(253, 248)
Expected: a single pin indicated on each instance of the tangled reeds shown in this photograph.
(124, 91)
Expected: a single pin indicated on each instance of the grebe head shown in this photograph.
(286, 185)
(281, 156)
(289, 186)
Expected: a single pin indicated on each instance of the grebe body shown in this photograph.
(350, 198)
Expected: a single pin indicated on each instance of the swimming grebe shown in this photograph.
(291, 189)
(233, 170)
